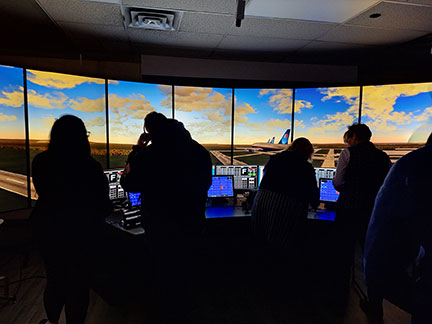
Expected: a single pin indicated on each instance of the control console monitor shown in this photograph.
(221, 187)
(116, 191)
(245, 176)
(134, 199)
(327, 192)
(324, 173)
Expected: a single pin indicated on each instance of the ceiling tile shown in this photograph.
(281, 28)
(91, 31)
(214, 6)
(83, 12)
(246, 43)
(398, 16)
(206, 23)
(177, 39)
(330, 46)
(369, 36)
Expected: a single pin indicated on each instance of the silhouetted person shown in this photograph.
(400, 231)
(287, 188)
(73, 202)
(173, 175)
(360, 173)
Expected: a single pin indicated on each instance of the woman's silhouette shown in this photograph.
(73, 201)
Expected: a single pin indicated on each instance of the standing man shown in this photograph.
(360, 173)
(173, 175)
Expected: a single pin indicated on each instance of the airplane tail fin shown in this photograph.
(268, 140)
(272, 141)
(285, 136)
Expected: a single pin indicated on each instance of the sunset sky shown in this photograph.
(395, 113)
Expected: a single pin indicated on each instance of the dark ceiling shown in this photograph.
(400, 37)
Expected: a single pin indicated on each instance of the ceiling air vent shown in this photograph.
(146, 18)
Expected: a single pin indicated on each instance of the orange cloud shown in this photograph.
(134, 106)
(4, 117)
(167, 91)
(199, 99)
(55, 100)
(95, 122)
(87, 105)
(58, 80)
(379, 102)
(281, 101)
(12, 99)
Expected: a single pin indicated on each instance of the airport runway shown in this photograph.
(329, 161)
(226, 160)
(16, 183)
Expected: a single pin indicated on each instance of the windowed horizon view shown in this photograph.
(51, 95)
(322, 116)
(262, 120)
(13, 168)
(128, 104)
(399, 116)
(206, 114)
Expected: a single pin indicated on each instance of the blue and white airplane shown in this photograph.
(271, 146)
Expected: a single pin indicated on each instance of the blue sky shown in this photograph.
(11, 108)
(325, 113)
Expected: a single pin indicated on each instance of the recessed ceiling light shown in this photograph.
(375, 15)
(334, 11)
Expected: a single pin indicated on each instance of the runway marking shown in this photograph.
(16, 181)
(225, 160)
(329, 161)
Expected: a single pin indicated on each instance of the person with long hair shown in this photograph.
(287, 188)
(73, 202)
